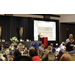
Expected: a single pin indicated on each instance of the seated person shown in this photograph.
(11, 47)
(20, 47)
(61, 52)
(62, 46)
(25, 51)
(70, 45)
(41, 49)
(65, 57)
(23, 58)
(73, 51)
(15, 47)
(16, 53)
(10, 57)
(48, 50)
(68, 40)
(6, 45)
(34, 55)
(53, 49)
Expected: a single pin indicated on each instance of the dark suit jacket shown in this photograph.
(39, 37)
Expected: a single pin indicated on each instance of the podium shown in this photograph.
(44, 41)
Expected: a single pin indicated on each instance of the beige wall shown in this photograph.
(27, 15)
(68, 18)
(2, 14)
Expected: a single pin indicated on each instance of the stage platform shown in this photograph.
(27, 44)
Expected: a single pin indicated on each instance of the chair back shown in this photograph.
(73, 57)
(51, 56)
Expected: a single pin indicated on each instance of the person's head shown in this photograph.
(40, 33)
(6, 44)
(33, 52)
(43, 45)
(71, 37)
(73, 47)
(71, 40)
(66, 57)
(16, 53)
(63, 43)
(61, 52)
(20, 44)
(23, 58)
(51, 44)
(39, 44)
(15, 45)
(1, 45)
(12, 44)
(10, 59)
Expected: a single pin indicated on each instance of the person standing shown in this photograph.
(39, 36)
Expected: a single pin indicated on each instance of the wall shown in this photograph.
(67, 18)
(64, 33)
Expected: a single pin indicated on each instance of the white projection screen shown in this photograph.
(46, 28)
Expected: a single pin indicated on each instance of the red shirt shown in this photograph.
(36, 58)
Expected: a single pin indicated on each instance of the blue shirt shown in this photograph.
(53, 49)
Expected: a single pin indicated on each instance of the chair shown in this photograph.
(73, 57)
(51, 56)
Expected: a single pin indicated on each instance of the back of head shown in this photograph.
(65, 57)
(15, 45)
(6, 45)
(61, 52)
(39, 44)
(17, 53)
(43, 45)
(33, 52)
(51, 44)
(23, 58)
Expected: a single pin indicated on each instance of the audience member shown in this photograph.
(48, 50)
(23, 58)
(15, 47)
(20, 47)
(16, 53)
(73, 51)
(62, 46)
(2, 48)
(6, 45)
(10, 57)
(68, 40)
(66, 57)
(34, 55)
(41, 49)
(70, 44)
(53, 49)
(61, 52)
